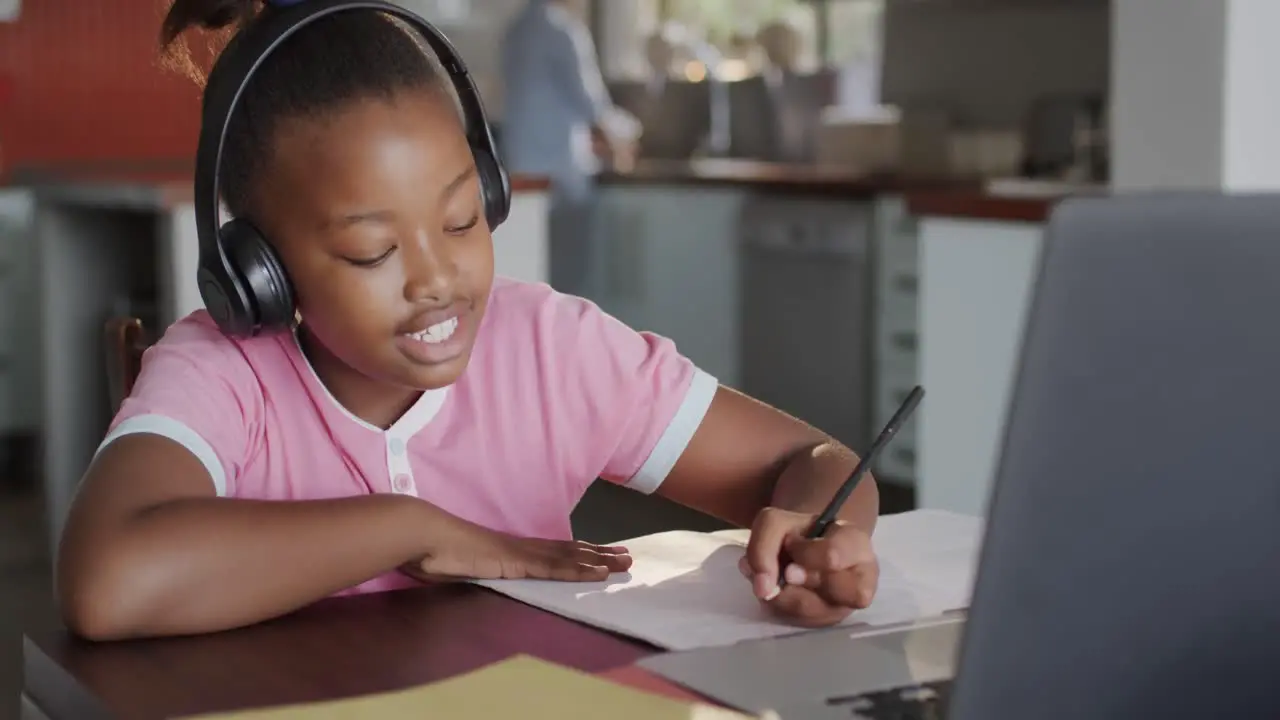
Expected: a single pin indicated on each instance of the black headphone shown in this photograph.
(242, 281)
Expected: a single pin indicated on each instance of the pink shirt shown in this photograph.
(557, 393)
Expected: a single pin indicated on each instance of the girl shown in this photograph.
(425, 419)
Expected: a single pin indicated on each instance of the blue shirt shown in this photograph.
(553, 93)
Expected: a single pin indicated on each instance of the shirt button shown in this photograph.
(402, 484)
(397, 446)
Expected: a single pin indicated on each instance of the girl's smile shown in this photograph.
(438, 336)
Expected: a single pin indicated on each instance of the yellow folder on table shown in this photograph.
(519, 687)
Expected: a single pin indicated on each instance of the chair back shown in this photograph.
(126, 340)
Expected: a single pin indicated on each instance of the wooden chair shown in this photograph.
(126, 340)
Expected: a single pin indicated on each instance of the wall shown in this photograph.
(1196, 105)
(989, 61)
(85, 83)
(83, 73)
(1168, 118)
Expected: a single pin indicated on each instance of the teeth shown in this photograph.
(437, 333)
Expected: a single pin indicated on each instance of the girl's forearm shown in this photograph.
(201, 565)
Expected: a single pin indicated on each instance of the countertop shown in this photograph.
(167, 183)
(145, 184)
(980, 206)
(778, 178)
(1010, 200)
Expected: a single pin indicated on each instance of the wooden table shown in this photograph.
(336, 648)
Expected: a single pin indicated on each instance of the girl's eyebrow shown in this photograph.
(456, 183)
(355, 218)
(376, 216)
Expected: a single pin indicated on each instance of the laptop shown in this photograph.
(1131, 562)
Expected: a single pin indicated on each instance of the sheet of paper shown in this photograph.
(520, 687)
(684, 590)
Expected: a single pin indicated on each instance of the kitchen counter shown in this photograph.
(979, 264)
(980, 205)
(778, 178)
(1011, 200)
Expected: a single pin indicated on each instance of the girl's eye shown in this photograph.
(370, 262)
(459, 229)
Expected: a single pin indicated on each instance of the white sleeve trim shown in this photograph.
(178, 432)
(697, 400)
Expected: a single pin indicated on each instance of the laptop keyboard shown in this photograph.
(925, 701)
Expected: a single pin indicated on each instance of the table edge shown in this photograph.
(52, 689)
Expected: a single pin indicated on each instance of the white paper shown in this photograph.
(684, 590)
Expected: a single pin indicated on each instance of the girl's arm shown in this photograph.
(149, 550)
(746, 456)
(745, 460)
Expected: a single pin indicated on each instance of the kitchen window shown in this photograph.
(832, 33)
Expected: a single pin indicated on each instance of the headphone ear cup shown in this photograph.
(495, 187)
(225, 296)
(262, 274)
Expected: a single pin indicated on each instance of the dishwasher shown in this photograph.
(806, 312)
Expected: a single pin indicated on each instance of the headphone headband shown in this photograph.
(245, 287)
(246, 53)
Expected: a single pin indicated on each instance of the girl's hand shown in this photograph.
(825, 579)
(493, 555)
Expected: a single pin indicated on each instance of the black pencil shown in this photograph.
(828, 516)
(895, 424)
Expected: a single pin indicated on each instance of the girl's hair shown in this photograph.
(333, 61)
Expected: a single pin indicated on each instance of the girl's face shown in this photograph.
(375, 210)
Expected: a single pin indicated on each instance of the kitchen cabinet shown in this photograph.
(18, 327)
(666, 260)
(977, 279)
(895, 332)
(806, 308)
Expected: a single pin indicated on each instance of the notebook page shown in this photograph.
(684, 590)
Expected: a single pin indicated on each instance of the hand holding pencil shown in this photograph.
(825, 578)
(816, 569)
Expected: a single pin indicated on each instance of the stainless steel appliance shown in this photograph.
(805, 311)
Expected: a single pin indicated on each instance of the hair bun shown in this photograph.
(218, 14)
(208, 14)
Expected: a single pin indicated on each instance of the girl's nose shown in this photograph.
(430, 271)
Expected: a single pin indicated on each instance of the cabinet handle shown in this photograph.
(905, 341)
(907, 283)
(906, 456)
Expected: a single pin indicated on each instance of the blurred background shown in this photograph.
(823, 202)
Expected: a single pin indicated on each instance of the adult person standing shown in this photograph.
(559, 121)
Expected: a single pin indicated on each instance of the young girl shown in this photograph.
(425, 420)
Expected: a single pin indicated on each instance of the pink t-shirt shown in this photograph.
(557, 393)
